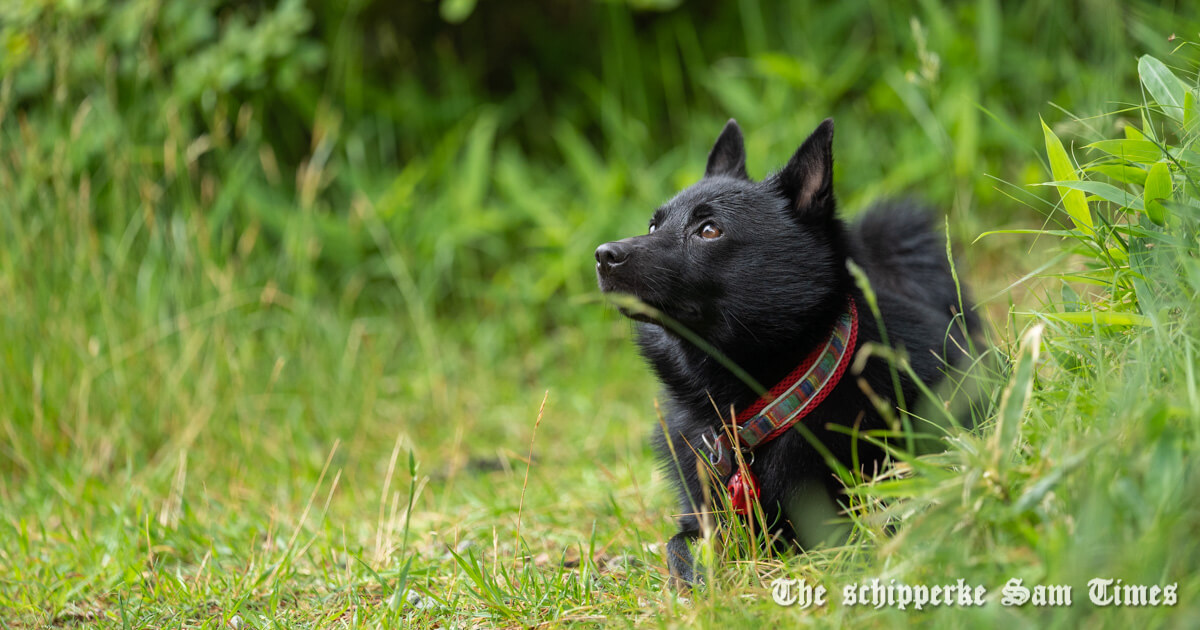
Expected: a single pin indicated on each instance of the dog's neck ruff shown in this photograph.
(788, 402)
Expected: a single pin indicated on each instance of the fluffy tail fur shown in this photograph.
(900, 249)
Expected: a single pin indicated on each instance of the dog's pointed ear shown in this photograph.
(728, 155)
(807, 180)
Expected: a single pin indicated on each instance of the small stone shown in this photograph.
(419, 602)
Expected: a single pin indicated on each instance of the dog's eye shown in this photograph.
(710, 231)
(653, 226)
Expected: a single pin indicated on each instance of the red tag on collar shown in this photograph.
(786, 404)
(743, 491)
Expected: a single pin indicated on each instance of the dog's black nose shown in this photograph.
(610, 255)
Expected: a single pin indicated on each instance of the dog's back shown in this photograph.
(925, 309)
(904, 254)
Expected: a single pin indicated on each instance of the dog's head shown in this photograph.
(734, 260)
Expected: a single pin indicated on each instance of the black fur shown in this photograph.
(764, 292)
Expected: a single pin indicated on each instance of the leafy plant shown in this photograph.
(1148, 204)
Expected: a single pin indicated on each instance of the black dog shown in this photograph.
(758, 271)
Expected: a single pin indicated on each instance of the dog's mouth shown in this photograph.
(639, 316)
(631, 301)
(649, 312)
(633, 307)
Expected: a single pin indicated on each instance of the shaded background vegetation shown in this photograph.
(234, 234)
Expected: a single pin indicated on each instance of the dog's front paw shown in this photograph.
(686, 572)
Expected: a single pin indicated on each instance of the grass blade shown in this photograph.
(1016, 396)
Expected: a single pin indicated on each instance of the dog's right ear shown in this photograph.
(807, 180)
(728, 155)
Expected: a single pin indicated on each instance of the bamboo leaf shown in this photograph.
(1123, 173)
(1107, 192)
(1141, 151)
(1147, 130)
(1189, 110)
(1186, 155)
(1158, 188)
(1082, 279)
(1102, 318)
(1064, 170)
(1163, 86)
(1059, 233)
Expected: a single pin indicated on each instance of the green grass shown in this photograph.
(280, 324)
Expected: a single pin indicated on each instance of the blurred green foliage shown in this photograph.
(496, 144)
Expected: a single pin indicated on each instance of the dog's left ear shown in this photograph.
(807, 180)
(728, 155)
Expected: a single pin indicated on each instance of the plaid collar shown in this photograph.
(782, 407)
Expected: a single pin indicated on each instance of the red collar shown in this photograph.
(788, 402)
